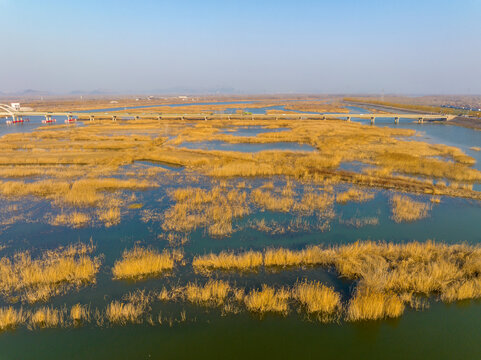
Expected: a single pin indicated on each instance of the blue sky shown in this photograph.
(344, 46)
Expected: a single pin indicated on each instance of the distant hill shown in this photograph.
(93, 92)
(31, 92)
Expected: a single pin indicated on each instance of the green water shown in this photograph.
(439, 332)
(442, 332)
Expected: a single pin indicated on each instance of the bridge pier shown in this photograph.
(396, 120)
(373, 119)
(114, 118)
(323, 117)
(348, 119)
(159, 118)
(91, 118)
(205, 118)
(420, 120)
(136, 117)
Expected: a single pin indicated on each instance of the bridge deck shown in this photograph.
(106, 115)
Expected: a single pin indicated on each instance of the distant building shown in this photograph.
(16, 106)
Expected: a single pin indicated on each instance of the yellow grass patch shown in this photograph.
(79, 313)
(267, 299)
(368, 304)
(11, 318)
(316, 297)
(214, 209)
(213, 292)
(109, 216)
(74, 219)
(46, 317)
(140, 262)
(406, 209)
(228, 261)
(354, 195)
(122, 313)
(53, 272)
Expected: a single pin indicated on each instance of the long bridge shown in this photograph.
(7, 111)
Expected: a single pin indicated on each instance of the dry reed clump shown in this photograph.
(122, 313)
(462, 290)
(311, 202)
(46, 317)
(267, 200)
(316, 202)
(79, 313)
(109, 216)
(228, 261)
(406, 209)
(268, 299)
(10, 318)
(354, 195)
(140, 263)
(280, 257)
(475, 148)
(317, 298)
(75, 219)
(369, 304)
(423, 268)
(55, 271)
(214, 209)
(214, 292)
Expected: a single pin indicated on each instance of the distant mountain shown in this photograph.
(31, 92)
(93, 92)
(186, 90)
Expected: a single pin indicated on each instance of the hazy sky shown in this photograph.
(338, 46)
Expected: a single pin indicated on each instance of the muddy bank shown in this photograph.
(471, 123)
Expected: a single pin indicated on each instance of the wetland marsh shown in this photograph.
(294, 237)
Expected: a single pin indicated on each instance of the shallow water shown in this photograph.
(443, 332)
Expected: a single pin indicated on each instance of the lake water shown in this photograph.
(439, 332)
